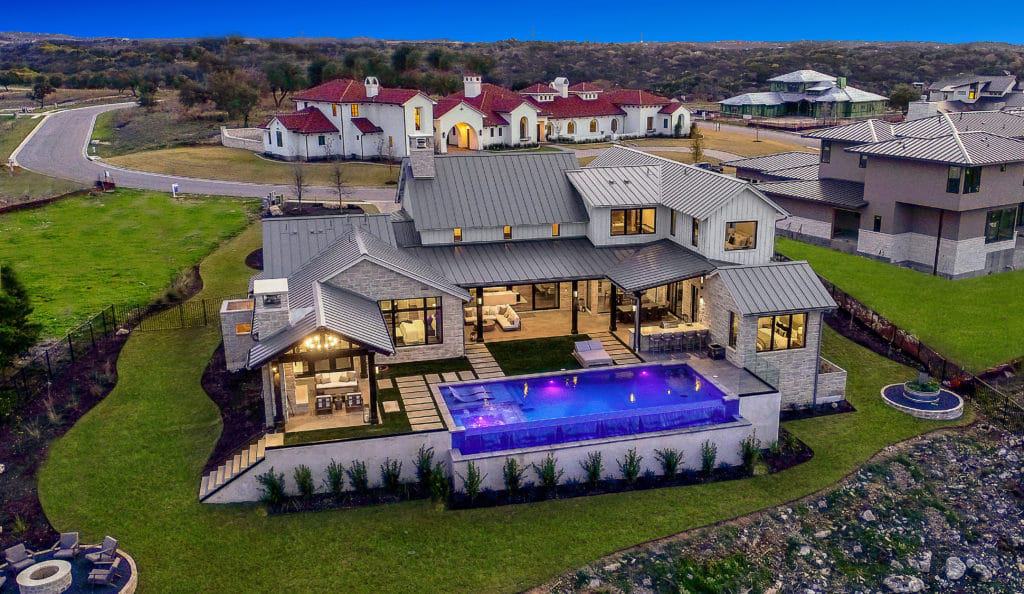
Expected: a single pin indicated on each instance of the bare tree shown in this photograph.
(696, 143)
(386, 151)
(338, 179)
(298, 182)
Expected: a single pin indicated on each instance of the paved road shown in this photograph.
(57, 148)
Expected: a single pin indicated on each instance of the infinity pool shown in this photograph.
(574, 406)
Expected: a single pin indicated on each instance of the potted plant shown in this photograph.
(925, 388)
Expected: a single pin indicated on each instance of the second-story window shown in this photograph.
(354, 110)
(826, 151)
(695, 233)
(556, 230)
(506, 231)
(417, 115)
(457, 234)
(632, 221)
(672, 224)
(863, 162)
(972, 180)
(953, 179)
(740, 235)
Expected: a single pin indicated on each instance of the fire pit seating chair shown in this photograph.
(504, 316)
(104, 576)
(106, 553)
(67, 547)
(18, 557)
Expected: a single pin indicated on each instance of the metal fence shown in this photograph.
(74, 352)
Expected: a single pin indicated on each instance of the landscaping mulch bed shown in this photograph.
(858, 333)
(255, 259)
(822, 410)
(310, 209)
(239, 397)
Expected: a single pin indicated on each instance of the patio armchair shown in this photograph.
(591, 353)
(107, 552)
(67, 547)
(105, 576)
(18, 557)
(353, 402)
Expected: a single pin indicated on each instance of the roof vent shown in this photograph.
(625, 181)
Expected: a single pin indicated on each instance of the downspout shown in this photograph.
(817, 364)
(938, 243)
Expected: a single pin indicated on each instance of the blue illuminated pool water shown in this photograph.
(575, 406)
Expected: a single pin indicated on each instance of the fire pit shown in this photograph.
(46, 577)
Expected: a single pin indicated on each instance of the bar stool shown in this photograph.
(678, 342)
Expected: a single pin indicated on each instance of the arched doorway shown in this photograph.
(463, 136)
(524, 128)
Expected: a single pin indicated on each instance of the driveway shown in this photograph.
(57, 148)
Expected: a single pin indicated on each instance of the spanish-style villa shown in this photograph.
(353, 120)
(661, 264)
(940, 194)
(806, 93)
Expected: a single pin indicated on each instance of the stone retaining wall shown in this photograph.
(250, 139)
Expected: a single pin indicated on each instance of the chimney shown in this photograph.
(271, 305)
(372, 86)
(841, 82)
(561, 86)
(471, 85)
(421, 156)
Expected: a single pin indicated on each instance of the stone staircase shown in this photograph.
(237, 463)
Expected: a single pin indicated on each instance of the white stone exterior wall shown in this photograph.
(236, 346)
(805, 226)
(297, 146)
(458, 114)
(376, 282)
(560, 128)
(831, 382)
(956, 258)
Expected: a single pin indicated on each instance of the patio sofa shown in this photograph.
(504, 316)
(591, 353)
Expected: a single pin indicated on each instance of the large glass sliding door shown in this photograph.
(537, 297)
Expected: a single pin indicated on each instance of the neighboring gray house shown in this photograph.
(969, 92)
(939, 194)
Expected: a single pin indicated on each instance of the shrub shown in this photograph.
(272, 485)
(750, 451)
(358, 477)
(472, 482)
(630, 466)
(334, 482)
(789, 441)
(304, 481)
(592, 468)
(440, 486)
(708, 455)
(775, 448)
(424, 465)
(670, 460)
(512, 474)
(548, 473)
(391, 475)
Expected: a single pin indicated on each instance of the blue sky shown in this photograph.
(593, 20)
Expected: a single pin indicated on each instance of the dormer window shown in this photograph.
(506, 232)
(556, 230)
(457, 234)
(417, 115)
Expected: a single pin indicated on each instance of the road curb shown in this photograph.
(14, 155)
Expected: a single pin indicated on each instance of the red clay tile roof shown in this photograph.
(366, 126)
(307, 121)
(671, 107)
(537, 89)
(584, 87)
(575, 107)
(344, 90)
(492, 102)
(635, 97)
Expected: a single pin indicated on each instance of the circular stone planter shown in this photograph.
(45, 577)
(939, 406)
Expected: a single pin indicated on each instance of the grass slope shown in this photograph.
(219, 162)
(976, 322)
(81, 254)
(131, 468)
(24, 185)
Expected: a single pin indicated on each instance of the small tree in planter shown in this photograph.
(272, 485)
(512, 474)
(592, 469)
(424, 466)
(334, 482)
(750, 451)
(440, 485)
(630, 466)
(670, 460)
(472, 482)
(708, 455)
(304, 481)
(358, 477)
(549, 474)
(391, 475)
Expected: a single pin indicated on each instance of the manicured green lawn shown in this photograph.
(977, 322)
(81, 254)
(131, 468)
(24, 185)
(536, 355)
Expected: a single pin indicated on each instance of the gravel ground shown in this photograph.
(942, 513)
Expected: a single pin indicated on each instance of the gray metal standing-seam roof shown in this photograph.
(489, 264)
(283, 339)
(779, 287)
(803, 76)
(656, 264)
(353, 316)
(847, 93)
(762, 98)
(290, 242)
(834, 192)
(1002, 123)
(688, 189)
(484, 190)
(805, 173)
(768, 163)
(637, 185)
(863, 131)
(965, 148)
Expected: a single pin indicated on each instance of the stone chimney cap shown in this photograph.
(270, 286)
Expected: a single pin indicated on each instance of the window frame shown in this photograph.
(725, 241)
(593, 125)
(636, 225)
(672, 223)
(949, 178)
(826, 151)
(390, 315)
(457, 235)
(695, 232)
(996, 228)
(789, 336)
(972, 180)
(280, 139)
(417, 118)
(876, 224)
(321, 140)
(556, 229)
(506, 232)
(353, 110)
(862, 162)
(734, 330)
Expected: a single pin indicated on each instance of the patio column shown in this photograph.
(612, 322)
(575, 308)
(362, 367)
(373, 387)
(479, 314)
(636, 321)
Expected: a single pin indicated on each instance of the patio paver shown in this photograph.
(467, 375)
(384, 383)
(427, 426)
(418, 400)
(391, 406)
(420, 414)
(419, 406)
(450, 376)
(433, 378)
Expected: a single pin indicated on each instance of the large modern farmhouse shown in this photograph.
(656, 261)
(806, 93)
(938, 194)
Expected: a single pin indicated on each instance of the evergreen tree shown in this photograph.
(17, 332)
